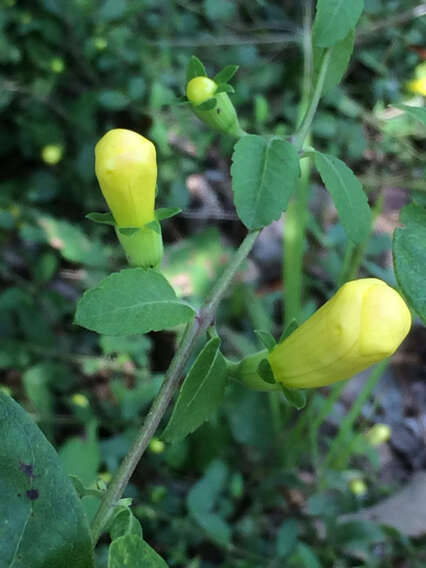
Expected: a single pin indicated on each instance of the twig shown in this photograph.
(171, 382)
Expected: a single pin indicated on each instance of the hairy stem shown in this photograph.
(171, 382)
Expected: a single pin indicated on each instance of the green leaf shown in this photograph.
(334, 19)
(125, 523)
(101, 218)
(132, 301)
(409, 256)
(81, 456)
(42, 520)
(200, 394)
(207, 105)
(264, 175)
(225, 74)
(265, 371)
(113, 100)
(224, 88)
(216, 528)
(73, 244)
(266, 339)
(195, 68)
(348, 196)
(339, 61)
(204, 494)
(287, 537)
(296, 398)
(418, 113)
(166, 212)
(289, 330)
(131, 551)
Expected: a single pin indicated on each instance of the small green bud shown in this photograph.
(214, 108)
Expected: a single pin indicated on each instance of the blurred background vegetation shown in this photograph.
(261, 485)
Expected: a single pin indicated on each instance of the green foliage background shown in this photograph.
(69, 71)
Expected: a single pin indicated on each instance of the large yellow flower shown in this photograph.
(363, 323)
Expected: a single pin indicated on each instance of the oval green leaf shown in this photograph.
(264, 175)
(130, 302)
(409, 256)
(348, 196)
(200, 394)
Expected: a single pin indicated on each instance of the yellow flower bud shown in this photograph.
(222, 116)
(363, 323)
(200, 89)
(378, 434)
(126, 168)
(358, 486)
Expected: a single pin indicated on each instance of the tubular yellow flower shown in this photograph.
(126, 168)
(363, 323)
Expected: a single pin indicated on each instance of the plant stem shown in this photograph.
(171, 382)
(341, 440)
(301, 134)
(296, 219)
(296, 215)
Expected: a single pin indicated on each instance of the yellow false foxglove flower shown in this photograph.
(222, 116)
(363, 323)
(417, 86)
(126, 168)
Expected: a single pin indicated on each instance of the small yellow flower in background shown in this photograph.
(200, 89)
(363, 323)
(80, 400)
(156, 446)
(378, 434)
(100, 43)
(418, 84)
(358, 486)
(126, 168)
(52, 154)
(57, 65)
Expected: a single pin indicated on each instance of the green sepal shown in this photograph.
(154, 225)
(180, 101)
(224, 88)
(101, 218)
(265, 338)
(210, 104)
(195, 68)
(83, 491)
(166, 213)
(225, 74)
(292, 326)
(295, 397)
(265, 372)
(128, 231)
